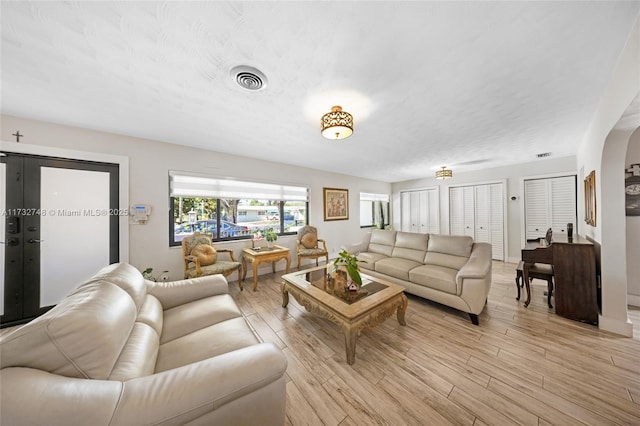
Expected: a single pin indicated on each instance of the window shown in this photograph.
(232, 209)
(374, 210)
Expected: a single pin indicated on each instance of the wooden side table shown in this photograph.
(259, 255)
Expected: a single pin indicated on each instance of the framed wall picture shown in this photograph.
(590, 199)
(632, 190)
(336, 204)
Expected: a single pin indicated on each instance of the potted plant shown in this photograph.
(349, 262)
(147, 274)
(268, 234)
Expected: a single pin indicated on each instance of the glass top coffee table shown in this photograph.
(353, 311)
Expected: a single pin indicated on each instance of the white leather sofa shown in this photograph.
(448, 269)
(120, 350)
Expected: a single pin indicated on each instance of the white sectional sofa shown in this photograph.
(120, 350)
(448, 269)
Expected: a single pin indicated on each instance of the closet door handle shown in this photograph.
(32, 241)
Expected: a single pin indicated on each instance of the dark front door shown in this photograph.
(60, 225)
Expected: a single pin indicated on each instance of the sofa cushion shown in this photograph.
(309, 240)
(151, 313)
(193, 316)
(435, 277)
(368, 259)
(124, 276)
(217, 339)
(205, 253)
(449, 251)
(75, 338)
(382, 242)
(410, 245)
(220, 267)
(456, 245)
(138, 358)
(396, 267)
(311, 251)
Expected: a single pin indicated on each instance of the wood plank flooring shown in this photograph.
(523, 366)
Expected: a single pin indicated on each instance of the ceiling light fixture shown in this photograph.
(444, 173)
(337, 124)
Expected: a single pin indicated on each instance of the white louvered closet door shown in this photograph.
(536, 205)
(423, 211)
(456, 224)
(468, 211)
(482, 211)
(563, 203)
(405, 211)
(415, 212)
(549, 203)
(478, 211)
(496, 224)
(419, 211)
(433, 212)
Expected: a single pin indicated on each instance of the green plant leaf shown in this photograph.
(354, 274)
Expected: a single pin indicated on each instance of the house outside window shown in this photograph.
(232, 209)
(374, 210)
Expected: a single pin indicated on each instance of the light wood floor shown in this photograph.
(520, 366)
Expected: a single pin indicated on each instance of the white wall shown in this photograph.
(513, 175)
(633, 231)
(149, 163)
(603, 149)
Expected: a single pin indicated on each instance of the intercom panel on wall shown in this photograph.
(139, 214)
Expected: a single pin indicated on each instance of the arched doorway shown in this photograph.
(613, 231)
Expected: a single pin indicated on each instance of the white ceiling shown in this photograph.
(464, 84)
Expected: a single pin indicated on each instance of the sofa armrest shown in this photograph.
(177, 396)
(183, 394)
(34, 397)
(358, 247)
(479, 263)
(175, 293)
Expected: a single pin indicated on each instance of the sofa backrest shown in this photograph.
(411, 245)
(450, 251)
(84, 335)
(382, 241)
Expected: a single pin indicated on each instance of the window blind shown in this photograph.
(366, 196)
(183, 184)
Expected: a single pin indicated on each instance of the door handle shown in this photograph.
(11, 242)
(32, 241)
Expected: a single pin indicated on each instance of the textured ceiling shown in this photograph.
(463, 84)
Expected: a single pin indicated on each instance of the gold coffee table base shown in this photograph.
(351, 318)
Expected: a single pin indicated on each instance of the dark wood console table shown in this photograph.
(574, 270)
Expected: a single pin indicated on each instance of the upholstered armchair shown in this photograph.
(308, 245)
(201, 258)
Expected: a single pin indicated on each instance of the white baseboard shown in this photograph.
(624, 328)
(633, 300)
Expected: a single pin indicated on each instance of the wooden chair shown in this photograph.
(541, 271)
(308, 245)
(201, 258)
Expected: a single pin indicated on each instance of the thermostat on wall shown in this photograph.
(139, 214)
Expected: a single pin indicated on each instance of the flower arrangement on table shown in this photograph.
(265, 234)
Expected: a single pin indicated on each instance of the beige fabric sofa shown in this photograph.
(448, 269)
(120, 350)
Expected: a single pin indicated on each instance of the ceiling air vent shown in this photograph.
(248, 78)
(544, 154)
